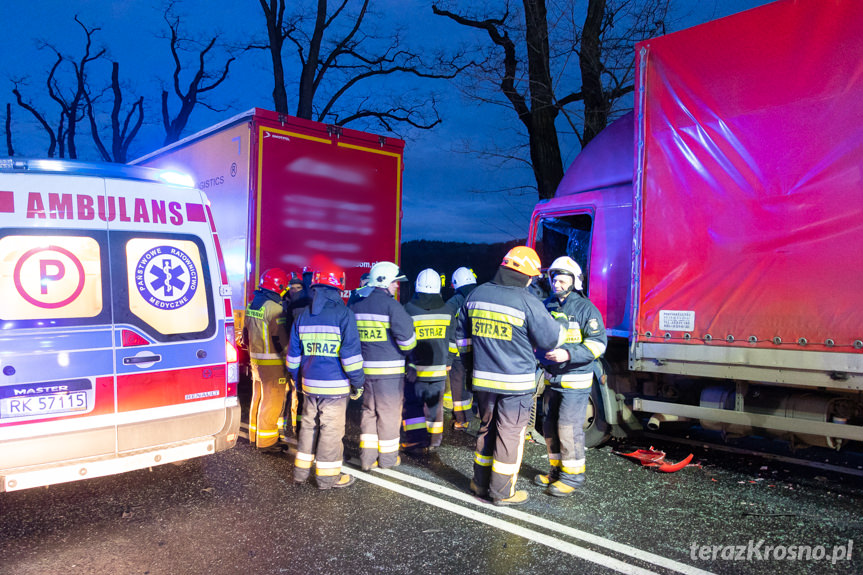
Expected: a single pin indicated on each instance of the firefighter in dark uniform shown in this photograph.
(298, 299)
(569, 372)
(325, 357)
(498, 328)
(463, 282)
(267, 339)
(387, 335)
(428, 363)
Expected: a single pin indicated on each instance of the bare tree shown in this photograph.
(10, 151)
(529, 60)
(69, 93)
(196, 86)
(121, 135)
(337, 50)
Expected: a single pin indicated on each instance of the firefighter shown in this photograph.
(268, 341)
(569, 372)
(325, 357)
(387, 335)
(428, 363)
(359, 293)
(498, 327)
(463, 282)
(298, 299)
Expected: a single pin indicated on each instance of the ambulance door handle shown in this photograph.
(136, 359)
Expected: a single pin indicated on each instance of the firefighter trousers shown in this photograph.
(462, 399)
(268, 400)
(500, 443)
(320, 440)
(380, 420)
(423, 413)
(563, 428)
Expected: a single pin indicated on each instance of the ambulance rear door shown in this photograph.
(56, 352)
(169, 335)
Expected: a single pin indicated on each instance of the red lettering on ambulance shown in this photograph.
(85, 207)
(123, 216)
(35, 207)
(60, 207)
(176, 217)
(158, 212)
(107, 215)
(141, 214)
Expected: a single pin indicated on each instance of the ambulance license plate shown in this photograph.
(49, 404)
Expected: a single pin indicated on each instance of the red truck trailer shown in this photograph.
(726, 256)
(292, 193)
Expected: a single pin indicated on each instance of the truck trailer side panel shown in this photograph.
(749, 197)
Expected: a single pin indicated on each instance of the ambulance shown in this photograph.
(116, 332)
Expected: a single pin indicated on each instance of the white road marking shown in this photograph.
(623, 549)
(541, 538)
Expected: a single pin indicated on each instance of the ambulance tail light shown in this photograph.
(231, 358)
(129, 338)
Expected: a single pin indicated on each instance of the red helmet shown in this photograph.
(275, 279)
(332, 279)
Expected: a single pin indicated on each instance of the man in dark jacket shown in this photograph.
(325, 357)
(387, 335)
(463, 282)
(498, 328)
(569, 370)
(428, 364)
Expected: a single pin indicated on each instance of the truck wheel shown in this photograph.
(596, 428)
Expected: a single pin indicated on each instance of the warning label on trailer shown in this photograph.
(673, 320)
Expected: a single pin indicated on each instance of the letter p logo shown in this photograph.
(45, 275)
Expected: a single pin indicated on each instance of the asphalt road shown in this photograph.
(239, 512)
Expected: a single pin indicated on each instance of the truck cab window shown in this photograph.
(566, 236)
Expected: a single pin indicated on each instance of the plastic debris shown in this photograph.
(656, 458)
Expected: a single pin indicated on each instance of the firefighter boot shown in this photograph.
(545, 480)
(344, 480)
(561, 489)
(481, 492)
(518, 498)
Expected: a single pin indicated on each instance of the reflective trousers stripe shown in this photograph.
(388, 445)
(368, 440)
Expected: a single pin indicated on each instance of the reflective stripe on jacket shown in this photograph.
(585, 341)
(435, 332)
(386, 332)
(265, 325)
(325, 347)
(498, 327)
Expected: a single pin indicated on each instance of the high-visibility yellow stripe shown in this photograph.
(370, 323)
(340, 390)
(384, 370)
(266, 361)
(320, 337)
(462, 405)
(597, 348)
(496, 316)
(268, 433)
(434, 426)
(483, 460)
(368, 440)
(353, 367)
(431, 322)
(504, 385)
(504, 468)
(572, 466)
(388, 445)
(327, 472)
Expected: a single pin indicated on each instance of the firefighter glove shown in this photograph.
(356, 392)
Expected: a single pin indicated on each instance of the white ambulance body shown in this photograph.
(116, 335)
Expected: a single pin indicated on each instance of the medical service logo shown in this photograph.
(166, 277)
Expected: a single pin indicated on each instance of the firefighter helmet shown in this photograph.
(567, 265)
(383, 274)
(462, 277)
(331, 279)
(274, 279)
(523, 260)
(428, 281)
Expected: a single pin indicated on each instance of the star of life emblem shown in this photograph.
(166, 277)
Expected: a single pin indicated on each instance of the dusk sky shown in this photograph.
(438, 177)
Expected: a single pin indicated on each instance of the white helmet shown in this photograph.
(428, 281)
(462, 277)
(383, 274)
(567, 265)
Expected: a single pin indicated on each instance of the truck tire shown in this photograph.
(596, 428)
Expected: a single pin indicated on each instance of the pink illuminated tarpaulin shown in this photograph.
(750, 151)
